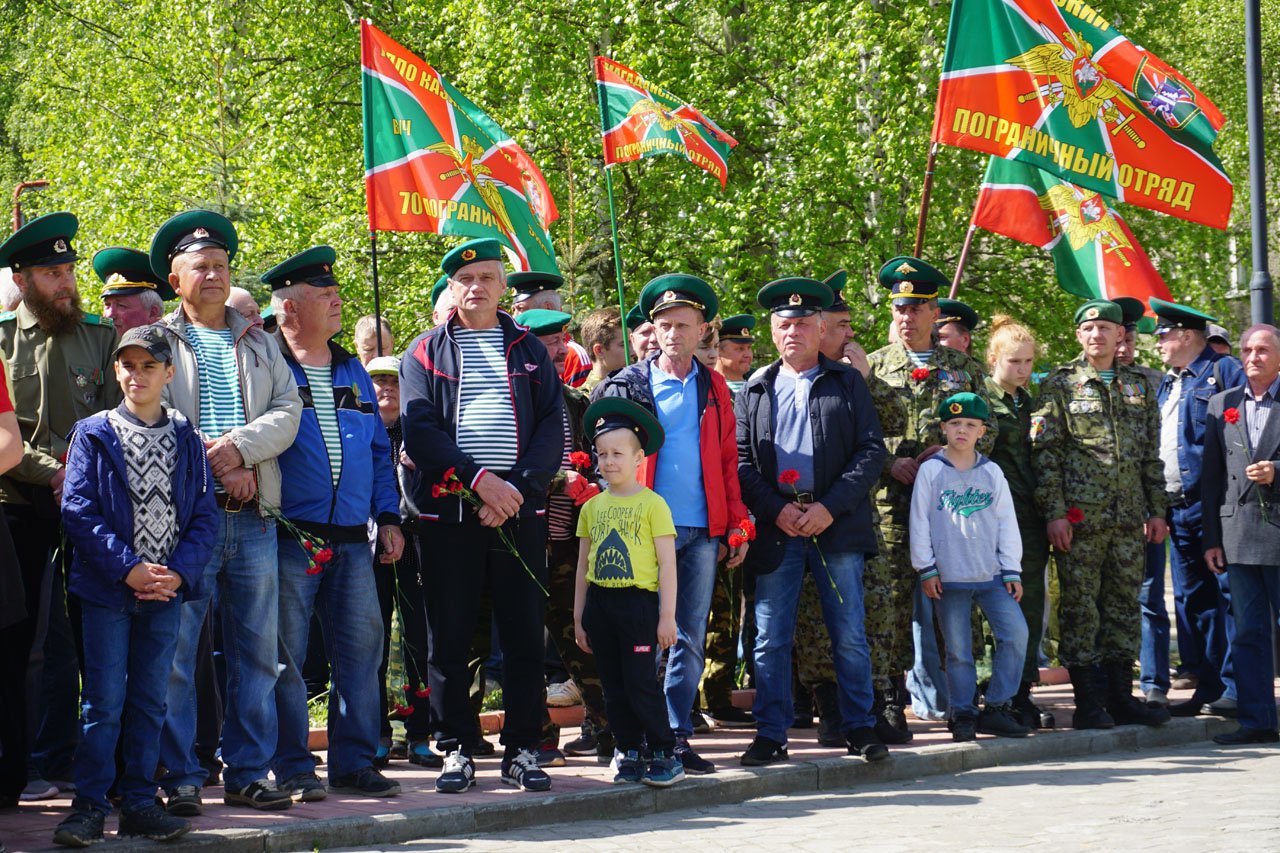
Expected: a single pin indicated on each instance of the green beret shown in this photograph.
(128, 271)
(676, 289)
(794, 297)
(542, 321)
(1131, 310)
(738, 328)
(191, 231)
(955, 311)
(911, 280)
(1174, 316)
(470, 252)
(270, 322)
(966, 404)
(525, 284)
(42, 242)
(610, 413)
(1099, 309)
(836, 281)
(313, 266)
(438, 288)
(635, 318)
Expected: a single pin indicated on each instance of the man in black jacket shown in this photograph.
(809, 452)
(482, 412)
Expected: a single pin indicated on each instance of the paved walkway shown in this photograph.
(583, 790)
(1190, 798)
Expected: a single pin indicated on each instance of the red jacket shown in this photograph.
(718, 439)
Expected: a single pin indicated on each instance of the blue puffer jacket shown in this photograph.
(366, 486)
(97, 513)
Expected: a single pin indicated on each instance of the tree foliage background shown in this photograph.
(136, 109)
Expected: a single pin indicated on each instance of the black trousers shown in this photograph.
(15, 648)
(401, 587)
(622, 626)
(459, 561)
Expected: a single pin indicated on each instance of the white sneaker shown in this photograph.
(564, 694)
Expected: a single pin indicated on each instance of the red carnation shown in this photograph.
(920, 374)
(438, 491)
(580, 459)
(422, 692)
(456, 487)
(308, 544)
(789, 477)
(736, 540)
(1075, 515)
(748, 528)
(324, 555)
(1231, 416)
(448, 474)
(313, 569)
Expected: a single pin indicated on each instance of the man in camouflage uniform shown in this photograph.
(922, 373)
(1094, 436)
(60, 366)
(815, 671)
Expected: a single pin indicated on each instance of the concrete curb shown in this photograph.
(730, 785)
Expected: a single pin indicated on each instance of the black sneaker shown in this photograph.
(548, 754)
(585, 743)
(700, 724)
(963, 728)
(863, 742)
(999, 720)
(307, 787)
(764, 751)
(421, 755)
(366, 783)
(80, 828)
(458, 775)
(522, 771)
(261, 794)
(693, 763)
(152, 822)
(731, 718)
(484, 749)
(184, 801)
(605, 745)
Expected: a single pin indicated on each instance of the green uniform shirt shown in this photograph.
(1012, 450)
(949, 372)
(1096, 445)
(55, 382)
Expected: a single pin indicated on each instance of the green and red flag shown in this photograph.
(639, 119)
(1094, 252)
(435, 162)
(1052, 84)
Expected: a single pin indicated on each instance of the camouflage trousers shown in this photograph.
(888, 585)
(811, 649)
(563, 559)
(1100, 578)
(730, 622)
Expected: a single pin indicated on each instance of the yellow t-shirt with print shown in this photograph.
(622, 531)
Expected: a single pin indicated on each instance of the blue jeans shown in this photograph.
(127, 656)
(244, 569)
(926, 680)
(777, 595)
(1010, 628)
(1153, 655)
(1255, 604)
(1203, 602)
(695, 580)
(57, 697)
(345, 597)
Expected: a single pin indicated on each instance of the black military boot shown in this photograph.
(896, 711)
(885, 730)
(1028, 712)
(829, 719)
(802, 700)
(1125, 708)
(1089, 712)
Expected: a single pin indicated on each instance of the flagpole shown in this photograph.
(963, 262)
(613, 224)
(924, 199)
(1260, 297)
(377, 303)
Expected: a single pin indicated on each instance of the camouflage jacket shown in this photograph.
(950, 371)
(1096, 446)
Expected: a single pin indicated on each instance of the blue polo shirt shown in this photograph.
(678, 475)
(792, 432)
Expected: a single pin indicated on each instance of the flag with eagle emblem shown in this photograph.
(435, 162)
(1052, 84)
(639, 119)
(1094, 252)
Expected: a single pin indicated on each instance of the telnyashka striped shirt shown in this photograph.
(486, 428)
(561, 524)
(320, 381)
(221, 409)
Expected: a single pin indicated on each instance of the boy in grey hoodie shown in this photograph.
(966, 547)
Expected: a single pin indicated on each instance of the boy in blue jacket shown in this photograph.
(139, 509)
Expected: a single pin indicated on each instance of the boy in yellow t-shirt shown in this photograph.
(624, 603)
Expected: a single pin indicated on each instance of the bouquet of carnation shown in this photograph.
(790, 477)
(317, 552)
(450, 485)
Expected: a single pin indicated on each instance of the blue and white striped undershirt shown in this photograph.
(486, 429)
(320, 381)
(920, 359)
(221, 409)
